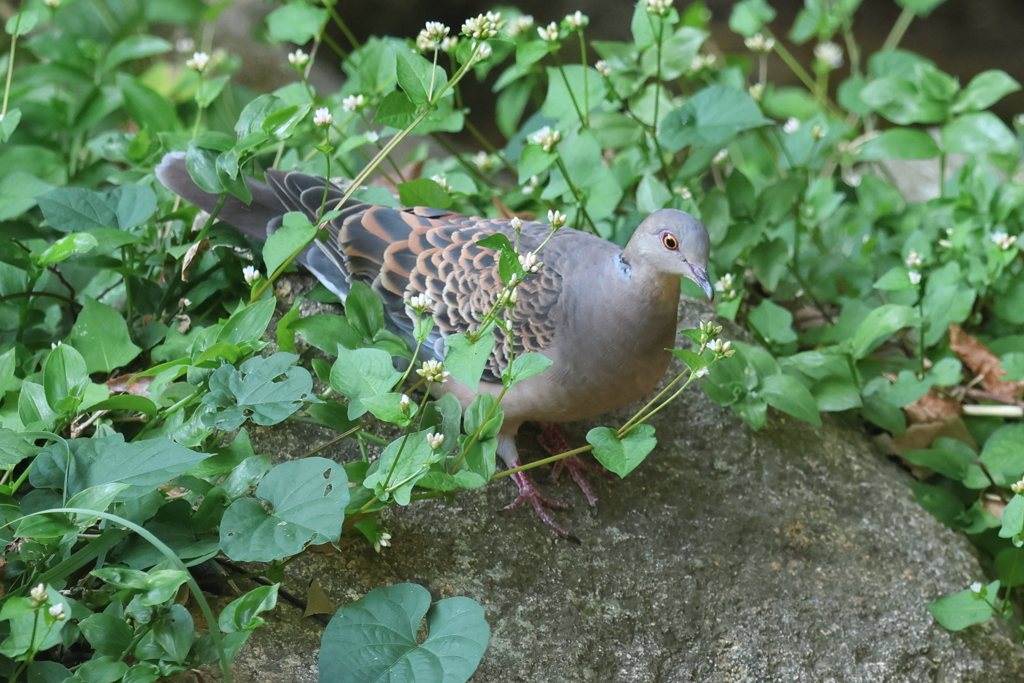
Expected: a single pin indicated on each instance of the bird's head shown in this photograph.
(673, 242)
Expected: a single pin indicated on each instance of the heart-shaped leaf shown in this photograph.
(622, 456)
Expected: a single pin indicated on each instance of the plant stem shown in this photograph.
(804, 77)
(575, 193)
(572, 95)
(10, 66)
(898, 29)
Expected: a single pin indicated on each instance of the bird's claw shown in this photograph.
(538, 501)
(554, 443)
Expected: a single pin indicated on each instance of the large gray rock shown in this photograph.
(789, 554)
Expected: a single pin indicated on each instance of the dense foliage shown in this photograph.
(131, 331)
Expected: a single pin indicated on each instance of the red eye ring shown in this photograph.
(669, 240)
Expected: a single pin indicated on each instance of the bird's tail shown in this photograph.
(252, 219)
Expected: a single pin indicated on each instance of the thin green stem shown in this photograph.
(10, 66)
(341, 25)
(898, 29)
(543, 461)
(476, 434)
(576, 194)
(805, 77)
(572, 95)
(491, 149)
(586, 89)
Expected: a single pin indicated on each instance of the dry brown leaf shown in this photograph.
(317, 601)
(922, 435)
(194, 253)
(130, 384)
(506, 212)
(981, 361)
(932, 407)
(993, 504)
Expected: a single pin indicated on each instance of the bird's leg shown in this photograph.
(527, 490)
(554, 443)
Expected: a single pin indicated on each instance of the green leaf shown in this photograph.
(651, 194)
(420, 79)
(296, 22)
(957, 612)
(9, 123)
(64, 378)
(395, 110)
(880, 324)
(401, 465)
(1013, 365)
(899, 143)
(364, 310)
(14, 448)
(142, 465)
(325, 331)
(65, 247)
(773, 322)
(132, 48)
(101, 335)
(33, 410)
(948, 457)
(1012, 523)
(210, 89)
(77, 209)
(895, 279)
(361, 373)
(527, 365)
(921, 8)
(108, 634)
(148, 108)
(287, 240)
(710, 118)
(484, 415)
(623, 455)
(466, 359)
(571, 87)
(388, 407)
(750, 16)
(1010, 567)
(978, 133)
(984, 90)
(423, 192)
(241, 614)
(264, 390)
(24, 21)
(247, 324)
(305, 503)
(1003, 455)
(789, 395)
(377, 638)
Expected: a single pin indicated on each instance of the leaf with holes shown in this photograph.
(301, 502)
(264, 390)
(376, 638)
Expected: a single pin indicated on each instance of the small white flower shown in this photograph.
(52, 3)
(550, 33)
(353, 102)
(914, 259)
(513, 296)
(199, 61)
(449, 44)
(403, 404)
(516, 223)
(829, 53)
(684, 192)
(976, 587)
(421, 303)
(720, 158)
(547, 138)
(756, 92)
(1002, 240)
(251, 274)
(520, 24)
(1018, 487)
(435, 440)
(483, 161)
(759, 43)
(39, 593)
(372, 136)
(430, 38)
(556, 218)
(186, 302)
(508, 325)
(298, 58)
(382, 542)
(817, 131)
(532, 185)
(703, 372)
(701, 62)
(603, 68)
(57, 612)
(724, 284)
(530, 262)
(483, 26)
(915, 277)
(577, 20)
(791, 125)
(721, 348)
(483, 52)
(442, 181)
(945, 244)
(433, 371)
(323, 117)
(659, 7)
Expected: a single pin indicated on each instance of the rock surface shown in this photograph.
(790, 554)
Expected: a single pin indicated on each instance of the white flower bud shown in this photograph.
(323, 117)
(39, 593)
(198, 62)
(915, 277)
(298, 58)
(791, 125)
(353, 102)
(251, 274)
(435, 440)
(57, 612)
(829, 54)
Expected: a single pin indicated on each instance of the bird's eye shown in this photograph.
(669, 240)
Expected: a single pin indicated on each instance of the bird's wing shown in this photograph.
(401, 253)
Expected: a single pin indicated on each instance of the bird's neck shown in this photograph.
(647, 287)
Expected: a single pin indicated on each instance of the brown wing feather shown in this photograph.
(401, 253)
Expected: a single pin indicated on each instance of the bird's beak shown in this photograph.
(700, 276)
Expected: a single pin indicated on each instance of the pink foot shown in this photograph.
(529, 493)
(554, 443)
